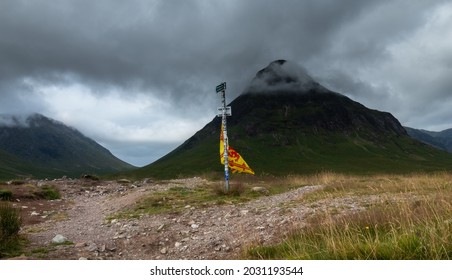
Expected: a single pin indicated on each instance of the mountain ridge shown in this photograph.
(41, 146)
(441, 140)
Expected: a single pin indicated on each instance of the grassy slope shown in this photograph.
(310, 154)
(12, 167)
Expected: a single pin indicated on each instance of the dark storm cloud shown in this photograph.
(177, 51)
(172, 46)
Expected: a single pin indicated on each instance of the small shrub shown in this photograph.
(90, 177)
(6, 194)
(17, 182)
(10, 223)
(48, 192)
(51, 193)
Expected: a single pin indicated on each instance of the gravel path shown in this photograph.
(214, 232)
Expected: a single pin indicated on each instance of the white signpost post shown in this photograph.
(223, 112)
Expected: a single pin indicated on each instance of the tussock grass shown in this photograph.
(10, 223)
(6, 194)
(412, 219)
(48, 192)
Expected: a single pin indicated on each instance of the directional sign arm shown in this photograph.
(221, 87)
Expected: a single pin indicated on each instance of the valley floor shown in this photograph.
(102, 219)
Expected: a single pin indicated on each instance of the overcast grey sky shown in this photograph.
(139, 76)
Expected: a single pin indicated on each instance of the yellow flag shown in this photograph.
(235, 160)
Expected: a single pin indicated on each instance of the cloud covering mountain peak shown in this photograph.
(282, 76)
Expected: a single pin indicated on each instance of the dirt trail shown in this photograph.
(214, 232)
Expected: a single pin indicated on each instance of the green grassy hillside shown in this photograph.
(310, 154)
(13, 167)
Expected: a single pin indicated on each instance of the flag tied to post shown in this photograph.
(235, 161)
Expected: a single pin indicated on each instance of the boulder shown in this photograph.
(58, 239)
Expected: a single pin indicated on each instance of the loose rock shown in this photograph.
(59, 239)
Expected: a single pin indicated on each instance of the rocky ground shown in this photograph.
(83, 218)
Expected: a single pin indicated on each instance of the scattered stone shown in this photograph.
(244, 212)
(184, 232)
(80, 245)
(92, 247)
(147, 181)
(34, 213)
(119, 236)
(82, 259)
(160, 227)
(59, 239)
(177, 244)
(194, 226)
(164, 250)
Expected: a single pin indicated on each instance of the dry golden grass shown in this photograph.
(411, 219)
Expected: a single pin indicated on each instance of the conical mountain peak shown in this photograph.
(282, 76)
(287, 123)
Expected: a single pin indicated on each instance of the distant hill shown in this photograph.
(287, 123)
(441, 140)
(41, 147)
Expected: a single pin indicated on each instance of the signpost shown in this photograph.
(220, 111)
(223, 112)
